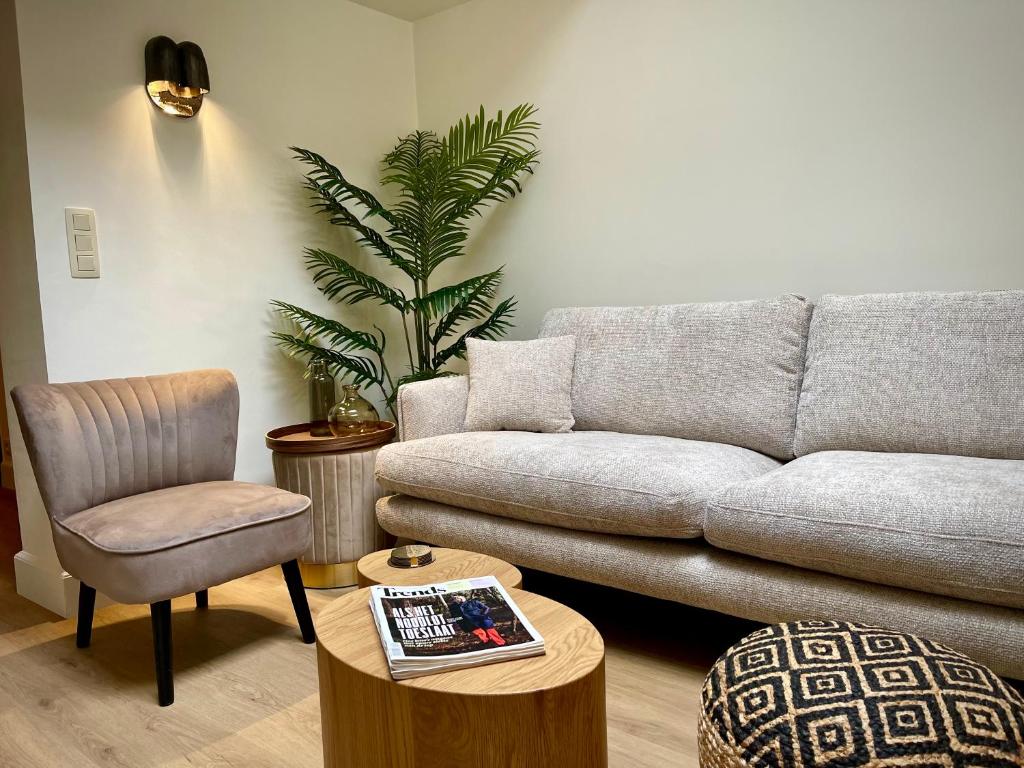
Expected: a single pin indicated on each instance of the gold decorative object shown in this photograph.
(411, 556)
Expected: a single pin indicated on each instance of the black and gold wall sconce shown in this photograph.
(176, 76)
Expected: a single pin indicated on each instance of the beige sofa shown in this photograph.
(861, 459)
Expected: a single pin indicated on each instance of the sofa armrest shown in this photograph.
(432, 407)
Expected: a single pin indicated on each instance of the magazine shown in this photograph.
(450, 625)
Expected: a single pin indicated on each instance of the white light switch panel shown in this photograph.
(83, 246)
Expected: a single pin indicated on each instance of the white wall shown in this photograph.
(21, 324)
(720, 149)
(201, 222)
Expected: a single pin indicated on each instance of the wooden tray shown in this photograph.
(296, 439)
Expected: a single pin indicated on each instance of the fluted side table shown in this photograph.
(336, 473)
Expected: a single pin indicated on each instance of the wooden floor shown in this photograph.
(246, 687)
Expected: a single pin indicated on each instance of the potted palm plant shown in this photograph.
(441, 184)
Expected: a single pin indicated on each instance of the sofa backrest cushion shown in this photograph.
(726, 372)
(916, 372)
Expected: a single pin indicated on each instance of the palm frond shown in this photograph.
(332, 181)
(447, 245)
(475, 303)
(339, 215)
(495, 326)
(404, 164)
(332, 194)
(360, 370)
(342, 282)
(503, 184)
(315, 327)
(475, 145)
(441, 300)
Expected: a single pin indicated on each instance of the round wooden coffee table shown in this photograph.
(448, 564)
(544, 711)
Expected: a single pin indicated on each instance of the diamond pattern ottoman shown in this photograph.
(825, 693)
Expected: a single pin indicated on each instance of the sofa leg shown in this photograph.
(86, 607)
(203, 598)
(293, 578)
(161, 614)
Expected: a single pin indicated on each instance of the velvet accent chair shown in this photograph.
(136, 477)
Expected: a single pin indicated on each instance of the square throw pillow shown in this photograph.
(520, 385)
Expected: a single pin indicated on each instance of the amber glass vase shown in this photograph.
(354, 415)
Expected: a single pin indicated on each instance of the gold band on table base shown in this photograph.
(329, 575)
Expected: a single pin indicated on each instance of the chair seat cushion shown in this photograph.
(640, 485)
(947, 525)
(161, 544)
(170, 517)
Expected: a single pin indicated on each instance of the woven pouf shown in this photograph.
(823, 693)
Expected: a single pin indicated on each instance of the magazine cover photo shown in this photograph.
(463, 621)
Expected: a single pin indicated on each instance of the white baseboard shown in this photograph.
(55, 590)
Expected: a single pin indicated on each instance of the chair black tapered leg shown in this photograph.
(86, 606)
(161, 613)
(293, 579)
(203, 598)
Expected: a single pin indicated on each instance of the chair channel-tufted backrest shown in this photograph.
(96, 441)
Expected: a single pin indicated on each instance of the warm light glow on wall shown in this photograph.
(176, 76)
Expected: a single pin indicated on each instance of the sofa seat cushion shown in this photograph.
(948, 525)
(641, 485)
(161, 544)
